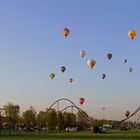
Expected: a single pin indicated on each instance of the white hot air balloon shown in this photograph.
(91, 62)
(82, 53)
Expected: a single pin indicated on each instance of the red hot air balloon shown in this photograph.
(109, 56)
(81, 100)
(65, 32)
(131, 34)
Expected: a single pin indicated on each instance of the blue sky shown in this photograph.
(31, 47)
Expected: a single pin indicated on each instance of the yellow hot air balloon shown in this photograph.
(52, 75)
(131, 34)
(91, 62)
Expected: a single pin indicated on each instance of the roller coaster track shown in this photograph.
(71, 106)
(83, 113)
(136, 123)
(80, 111)
(135, 112)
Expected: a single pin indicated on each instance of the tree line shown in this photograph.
(49, 120)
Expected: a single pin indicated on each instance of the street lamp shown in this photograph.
(103, 112)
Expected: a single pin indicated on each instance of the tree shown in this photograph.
(81, 120)
(60, 121)
(73, 117)
(29, 118)
(41, 119)
(11, 112)
(19, 122)
(69, 119)
(51, 119)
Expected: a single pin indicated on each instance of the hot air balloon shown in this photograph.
(91, 63)
(52, 75)
(70, 80)
(125, 60)
(82, 53)
(81, 100)
(65, 32)
(63, 69)
(103, 76)
(130, 69)
(127, 113)
(131, 34)
(109, 56)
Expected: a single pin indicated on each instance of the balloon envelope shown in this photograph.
(82, 53)
(81, 100)
(131, 34)
(91, 63)
(63, 69)
(109, 56)
(65, 32)
(52, 75)
(125, 60)
(70, 80)
(127, 113)
(130, 69)
(103, 76)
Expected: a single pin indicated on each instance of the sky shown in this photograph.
(31, 47)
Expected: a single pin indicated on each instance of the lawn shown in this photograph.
(111, 135)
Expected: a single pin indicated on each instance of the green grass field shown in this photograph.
(111, 135)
